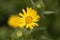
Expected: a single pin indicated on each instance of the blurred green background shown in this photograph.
(49, 24)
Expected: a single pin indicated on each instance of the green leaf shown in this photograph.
(48, 12)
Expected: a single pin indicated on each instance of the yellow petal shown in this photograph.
(20, 14)
(22, 25)
(27, 26)
(31, 27)
(34, 13)
(23, 10)
(29, 10)
(35, 20)
(35, 24)
(36, 17)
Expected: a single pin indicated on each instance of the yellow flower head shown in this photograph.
(14, 21)
(29, 18)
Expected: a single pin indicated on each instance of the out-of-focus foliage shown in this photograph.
(49, 24)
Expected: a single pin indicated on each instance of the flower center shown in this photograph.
(28, 20)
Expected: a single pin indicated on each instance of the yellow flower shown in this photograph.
(14, 21)
(29, 18)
